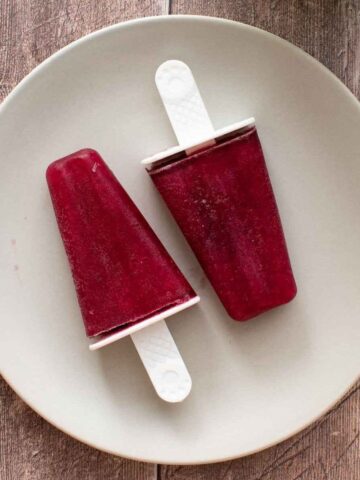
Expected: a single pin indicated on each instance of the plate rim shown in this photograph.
(123, 25)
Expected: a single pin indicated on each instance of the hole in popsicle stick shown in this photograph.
(170, 377)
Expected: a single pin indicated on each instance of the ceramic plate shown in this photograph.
(254, 384)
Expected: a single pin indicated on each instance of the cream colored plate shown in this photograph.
(254, 384)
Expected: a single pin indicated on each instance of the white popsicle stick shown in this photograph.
(183, 103)
(158, 352)
(187, 112)
(163, 362)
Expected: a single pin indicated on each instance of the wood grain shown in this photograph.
(31, 449)
(329, 30)
(30, 31)
(328, 450)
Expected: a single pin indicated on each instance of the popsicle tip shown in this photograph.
(84, 154)
(174, 80)
(173, 392)
(169, 65)
(175, 399)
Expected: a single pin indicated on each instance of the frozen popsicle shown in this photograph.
(217, 187)
(124, 278)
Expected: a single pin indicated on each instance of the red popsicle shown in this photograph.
(217, 186)
(122, 273)
(223, 201)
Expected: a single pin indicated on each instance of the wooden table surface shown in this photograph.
(30, 31)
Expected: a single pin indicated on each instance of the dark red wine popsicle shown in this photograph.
(217, 187)
(125, 280)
